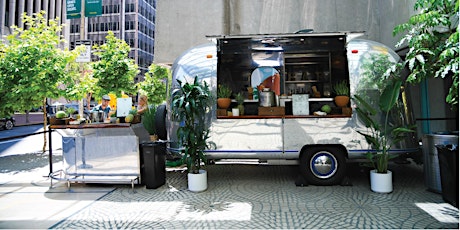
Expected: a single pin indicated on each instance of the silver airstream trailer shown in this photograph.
(301, 71)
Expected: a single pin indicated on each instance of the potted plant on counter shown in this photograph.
(342, 92)
(239, 97)
(381, 134)
(223, 97)
(191, 104)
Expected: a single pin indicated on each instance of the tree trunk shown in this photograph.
(45, 124)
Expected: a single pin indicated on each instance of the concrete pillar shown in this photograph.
(30, 5)
(38, 6)
(12, 11)
(2, 17)
(59, 11)
(20, 12)
(45, 7)
(52, 9)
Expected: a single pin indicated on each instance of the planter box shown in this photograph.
(271, 111)
(221, 112)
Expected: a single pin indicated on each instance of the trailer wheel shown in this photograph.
(323, 165)
(160, 122)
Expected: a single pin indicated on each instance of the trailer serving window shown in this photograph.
(286, 76)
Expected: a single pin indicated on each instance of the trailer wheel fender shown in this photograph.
(160, 122)
(323, 164)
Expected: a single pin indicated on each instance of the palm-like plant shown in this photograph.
(383, 134)
(190, 104)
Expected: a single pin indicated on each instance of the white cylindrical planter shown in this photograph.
(381, 182)
(198, 182)
(235, 112)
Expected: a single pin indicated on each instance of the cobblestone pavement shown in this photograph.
(238, 197)
(260, 196)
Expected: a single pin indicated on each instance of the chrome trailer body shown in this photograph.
(280, 139)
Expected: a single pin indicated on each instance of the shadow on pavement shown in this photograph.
(25, 162)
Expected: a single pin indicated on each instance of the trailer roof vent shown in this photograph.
(304, 31)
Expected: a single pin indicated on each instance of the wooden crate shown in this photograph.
(221, 112)
(271, 111)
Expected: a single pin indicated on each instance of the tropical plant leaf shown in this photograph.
(390, 95)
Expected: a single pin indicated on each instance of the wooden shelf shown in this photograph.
(301, 81)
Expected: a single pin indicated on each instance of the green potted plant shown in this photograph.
(191, 104)
(148, 120)
(239, 97)
(223, 96)
(381, 134)
(342, 92)
(113, 117)
(70, 111)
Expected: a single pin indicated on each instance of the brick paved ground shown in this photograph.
(238, 197)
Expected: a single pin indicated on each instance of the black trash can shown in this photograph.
(448, 165)
(153, 164)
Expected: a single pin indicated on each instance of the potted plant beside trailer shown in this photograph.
(148, 120)
(382, 134)
(190, 105)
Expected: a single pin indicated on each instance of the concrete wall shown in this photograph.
(182, 24)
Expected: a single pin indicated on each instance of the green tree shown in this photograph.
(114, 71)
(155, 83)
(32, 67)
(432, 37)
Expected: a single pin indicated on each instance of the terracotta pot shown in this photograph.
(224, 103)
(341, 101)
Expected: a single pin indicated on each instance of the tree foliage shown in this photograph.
(155, 83)
(114, 71)
(432, 37)
(32, 67)
(82, 82)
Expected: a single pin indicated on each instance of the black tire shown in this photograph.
(330, 172)
(160, 122)
(9, 125)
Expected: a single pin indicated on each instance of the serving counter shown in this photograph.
(101, 153)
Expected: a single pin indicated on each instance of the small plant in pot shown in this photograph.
(191, 104)
(342, 92)
(239, 97)
(148, 120)
(381, 134)
(223, 96)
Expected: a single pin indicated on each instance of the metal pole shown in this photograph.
(50, 146)
(82, 37)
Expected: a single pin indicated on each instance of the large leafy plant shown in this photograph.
(190, 104)
(433, 40)
(381, 135)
